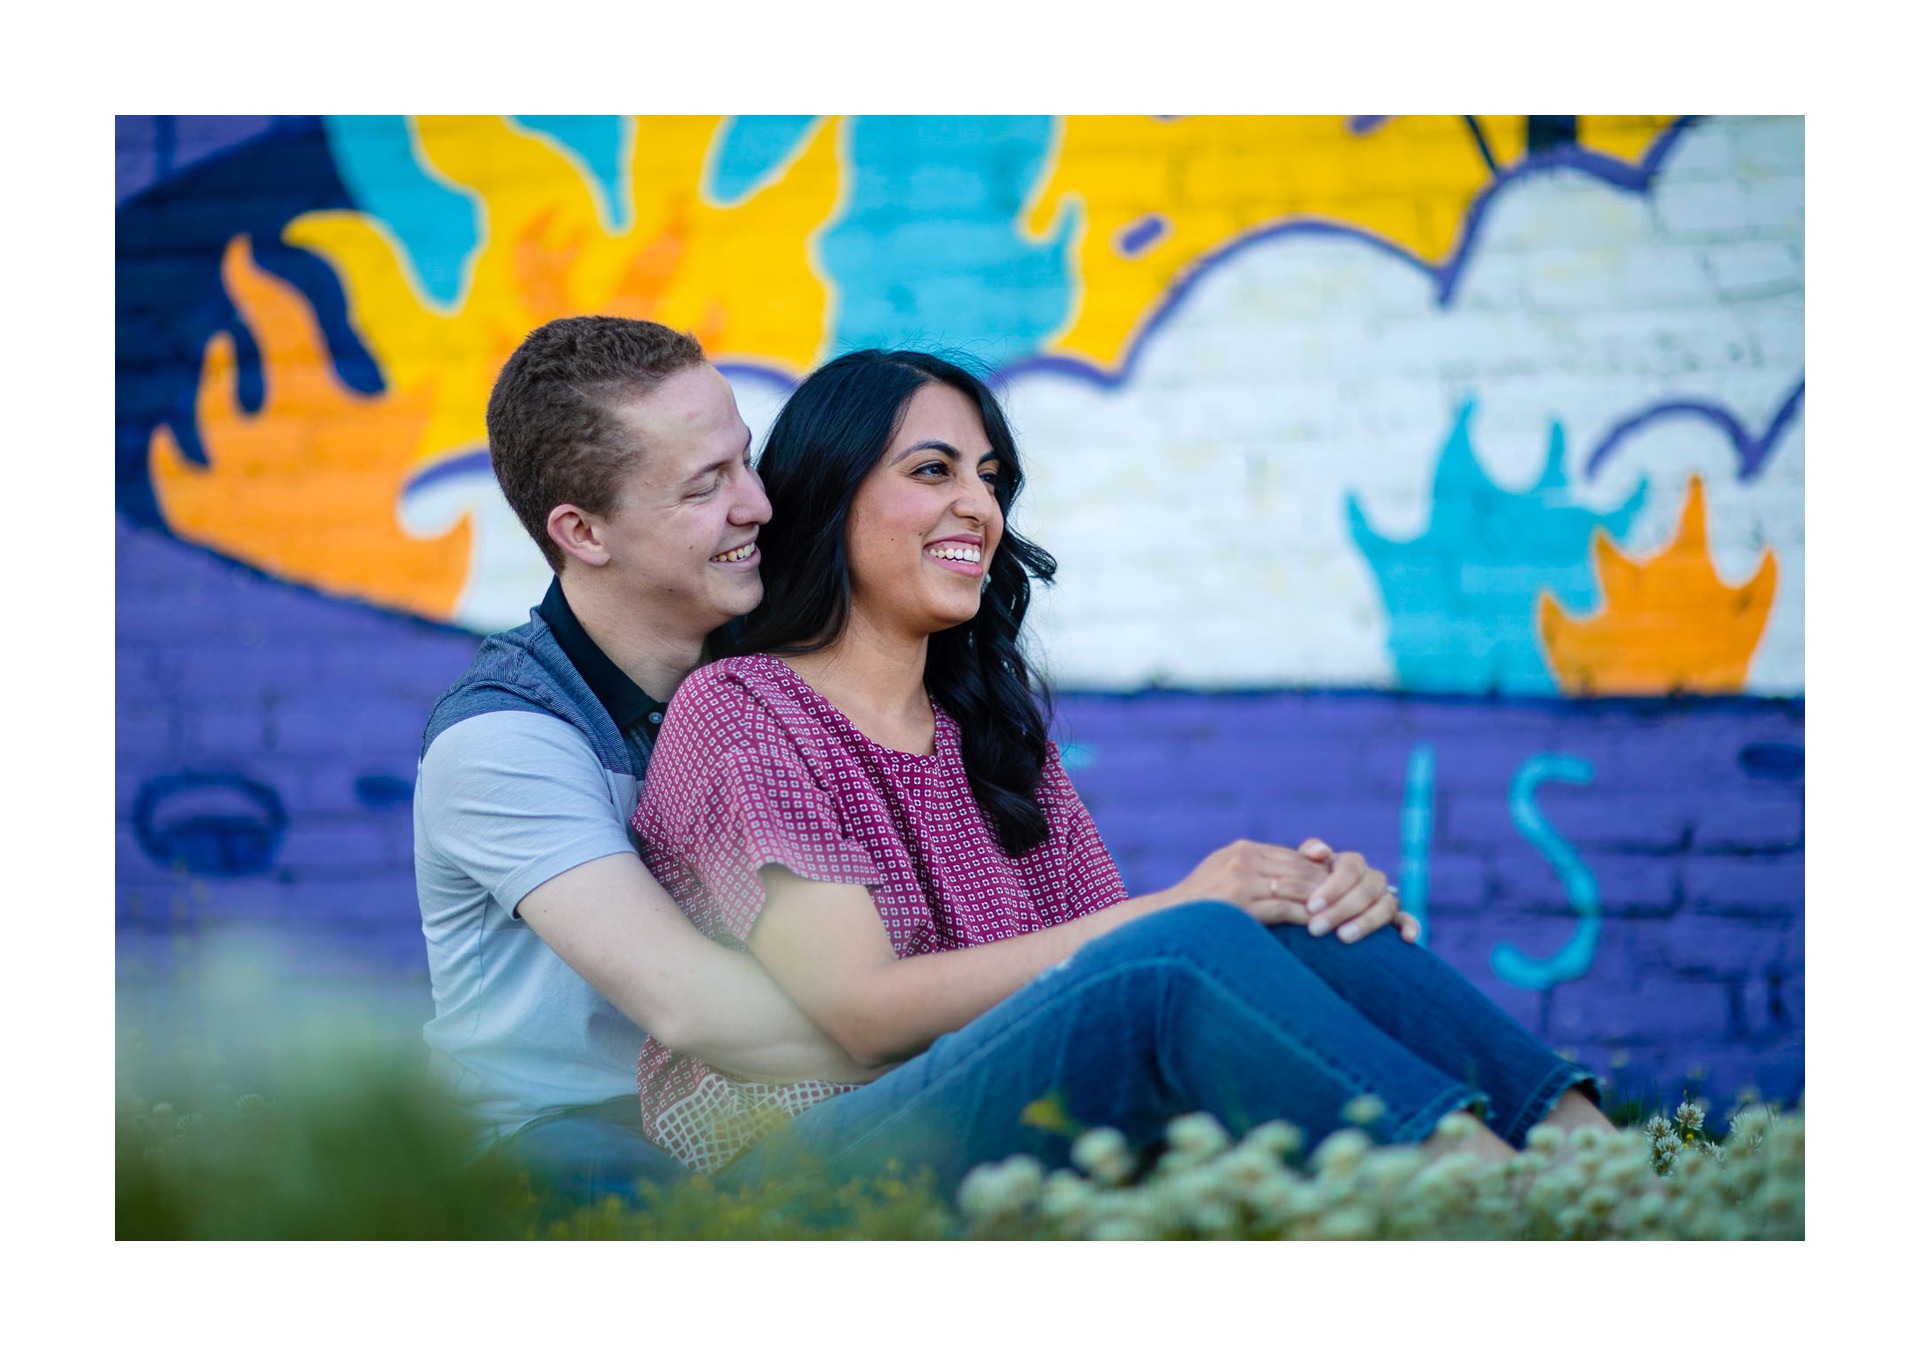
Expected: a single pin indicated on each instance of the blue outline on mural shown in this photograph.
(1753, 452)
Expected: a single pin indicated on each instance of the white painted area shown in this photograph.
(1199, 513)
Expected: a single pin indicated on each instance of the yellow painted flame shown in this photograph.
(1215, 180)
(1666, 623)
(308, 488)
(739, 278)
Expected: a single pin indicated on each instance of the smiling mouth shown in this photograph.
(739, 555)
(957, 556)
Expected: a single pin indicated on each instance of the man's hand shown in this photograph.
(1353, 900)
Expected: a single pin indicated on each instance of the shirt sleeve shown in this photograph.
(730, 791)
(515, 798)
(1091, 875)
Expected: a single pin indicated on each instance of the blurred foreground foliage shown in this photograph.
(359, 1145)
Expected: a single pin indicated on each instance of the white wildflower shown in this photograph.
(1363, 1110)
(1546, 1140)
(1341, 1153)
(1279, 1138)
(1103, 1155)
(1197, 1135)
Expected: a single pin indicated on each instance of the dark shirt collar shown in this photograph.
(631, 708)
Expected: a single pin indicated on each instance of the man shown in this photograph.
(552, 950)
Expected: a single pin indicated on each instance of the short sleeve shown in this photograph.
(730, 791)
(1090, 873)
(513, 798)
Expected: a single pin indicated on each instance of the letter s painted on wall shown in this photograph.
(1576, 957)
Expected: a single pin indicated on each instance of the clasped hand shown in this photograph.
(1324, 890)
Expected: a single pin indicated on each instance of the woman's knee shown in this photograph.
(1192, 931)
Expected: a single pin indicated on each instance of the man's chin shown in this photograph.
(745, 597)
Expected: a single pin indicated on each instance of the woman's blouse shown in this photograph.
(754, 768)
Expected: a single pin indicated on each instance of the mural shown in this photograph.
(1457, 462)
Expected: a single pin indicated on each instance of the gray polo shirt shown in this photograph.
(507, 798)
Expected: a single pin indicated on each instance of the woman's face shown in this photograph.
(924, 524)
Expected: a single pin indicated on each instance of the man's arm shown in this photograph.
(613, 924)
(518, 803)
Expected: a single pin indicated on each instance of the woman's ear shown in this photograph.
(577, 533)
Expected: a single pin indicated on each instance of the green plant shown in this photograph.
(358, 1144)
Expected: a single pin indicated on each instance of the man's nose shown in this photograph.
(753, 506)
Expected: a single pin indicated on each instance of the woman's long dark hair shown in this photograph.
(831, 433)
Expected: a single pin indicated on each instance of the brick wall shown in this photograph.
(1319, 472)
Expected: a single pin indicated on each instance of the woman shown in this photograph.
(864, 797)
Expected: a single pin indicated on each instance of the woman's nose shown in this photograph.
(977, 501)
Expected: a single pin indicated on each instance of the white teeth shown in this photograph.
(736, 555)
(971, 554)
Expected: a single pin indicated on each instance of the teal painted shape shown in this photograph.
(1416, 835)
(928, 252)
(1576, 957)
(749, 150)
(436, 225)
(603, 145)
(1461, 599)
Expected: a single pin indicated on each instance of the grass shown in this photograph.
(357, 1144)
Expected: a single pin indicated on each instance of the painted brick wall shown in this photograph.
(1318, 487)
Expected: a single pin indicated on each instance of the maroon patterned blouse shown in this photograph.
(753, 768)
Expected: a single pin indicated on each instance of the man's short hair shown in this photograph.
(552, 429)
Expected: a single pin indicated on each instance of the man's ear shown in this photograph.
(577, 533)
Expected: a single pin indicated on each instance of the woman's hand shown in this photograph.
(1268, 882)
(1324, 890)
(1353, 898)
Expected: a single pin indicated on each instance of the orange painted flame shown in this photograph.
(1666, 623)
(309, 488)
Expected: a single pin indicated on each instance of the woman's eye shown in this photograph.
(938, 468)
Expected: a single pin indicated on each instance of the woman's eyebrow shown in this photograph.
(944, 449)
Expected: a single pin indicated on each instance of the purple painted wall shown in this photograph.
(243, 702)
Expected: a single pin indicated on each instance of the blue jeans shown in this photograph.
(576, 1156)
(1196, 1008)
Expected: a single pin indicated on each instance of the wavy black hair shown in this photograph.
(832, 431)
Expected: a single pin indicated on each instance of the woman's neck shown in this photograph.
(878, 682)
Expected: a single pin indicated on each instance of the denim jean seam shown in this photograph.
(1427, 1119)
(1552, 1084)
(1344, 1074)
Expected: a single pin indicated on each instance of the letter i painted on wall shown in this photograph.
(1576, 957)
(1416, 835)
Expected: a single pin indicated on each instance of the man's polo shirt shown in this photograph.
(525, 777)
(637, 714)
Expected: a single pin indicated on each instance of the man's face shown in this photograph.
(683, 536)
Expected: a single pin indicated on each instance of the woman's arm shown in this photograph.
(825, 945)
